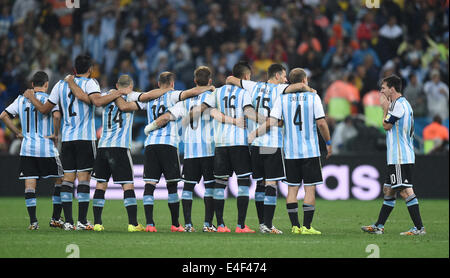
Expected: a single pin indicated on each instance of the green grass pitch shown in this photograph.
(339, 222)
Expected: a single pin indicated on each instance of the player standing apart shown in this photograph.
(301, 112)
(38, 153)
(399, 126)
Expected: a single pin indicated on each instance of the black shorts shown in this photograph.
(161, 159)
(232, 159)
(267, 163)
(399, 175)
(195, 168)
(40, 167)
(116, 162)
(78, 155)
(308, 170)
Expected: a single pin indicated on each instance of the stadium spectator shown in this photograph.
(326, 37)
(415, 95)
(435, 136)
(343, 132)
(437, 96)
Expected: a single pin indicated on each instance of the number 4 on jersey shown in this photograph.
(298, 117)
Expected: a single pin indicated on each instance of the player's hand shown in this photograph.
(19, 136)
(384, 102)
(212, 88)
(54, 138)
(330, 151)
(240, 122)
(251, 137)
(28, 93)
(69, 78)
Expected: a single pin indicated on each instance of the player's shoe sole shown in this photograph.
(414, 232)
(56, 223)
(310, 231)
(98, 228)
(33, 226)
(223, 229)
(86, 226)
(150, 229)
(189, 229)
(176, 229)
(137, 228)
(209, 229)
(296, 230)
(372, 229)
(245, 230)
(68, 227)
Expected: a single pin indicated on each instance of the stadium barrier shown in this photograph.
(345, 176)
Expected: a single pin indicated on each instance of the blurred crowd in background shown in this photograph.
(345, 47)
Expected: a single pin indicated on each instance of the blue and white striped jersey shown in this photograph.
(263, 98)
(35, 127)
(78, 117)
(117, 125)
(168, 134)
(399, 139)
(299, 112)
(231, 101)
(198, 136)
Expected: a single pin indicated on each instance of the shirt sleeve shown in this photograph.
(281, 88)
(174, 96)
(248, 85)
(178, 110)
(55, 108)
(319, 113)
(54, 94)
(395, 112)
(92, 86)
(276, 111)
(210, 100)
(133, 96)
(247, 100)
(13, 108)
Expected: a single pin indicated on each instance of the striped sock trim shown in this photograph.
(148, 200)
(129, 202)
(98, 202)
(243, 191)
(259, 196)
(307, 207)
(187, 195)
(270, 200)
(173, 198)
(219, 194)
